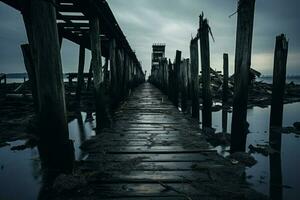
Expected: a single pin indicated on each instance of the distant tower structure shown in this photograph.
(158, 52)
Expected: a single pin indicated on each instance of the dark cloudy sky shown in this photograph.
(173, 22)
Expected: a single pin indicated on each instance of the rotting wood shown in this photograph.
(29, 65)
(50, 87)
(279, 79)
(194, 53)
(176, 78)
(102, 113)
(241, 79)
(205, 66)
(80, 76)
(225, 79)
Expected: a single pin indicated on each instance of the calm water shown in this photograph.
(259, 174)
(21, 171)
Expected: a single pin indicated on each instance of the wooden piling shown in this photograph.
(102, 114)
(176, 77)
(53, 127)
(113, 71)
(80, 76)
(184, 84)
(205, 66)
(241, 77)
(29, 65)
(279, 79)
(194, 53)
(225, 79)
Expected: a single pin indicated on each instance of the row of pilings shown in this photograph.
(181, 81)
(43, 63)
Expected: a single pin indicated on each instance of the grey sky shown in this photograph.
(173, 22)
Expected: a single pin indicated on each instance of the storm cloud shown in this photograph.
(173, 22)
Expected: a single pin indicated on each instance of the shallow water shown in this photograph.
(21, 171)
(259, 174)
(26, 164)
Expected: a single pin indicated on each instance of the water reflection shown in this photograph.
(275, 175)
(276, 192)
(21, 170)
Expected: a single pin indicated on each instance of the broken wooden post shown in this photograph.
(225, 79)
(194, 53)
(80, 75)
(29, 65)
(241, 76)
(55, 149)
(205, 66)
(176, 77)
(279, 79)
(102, 114)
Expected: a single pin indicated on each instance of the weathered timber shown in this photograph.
(102, 114)
(279, 79)
(194, 53)
(184, 84)
(205, 66)
(225, 79)
(80, 76)
(150, 163)
(53, 127)
(170, 81)
(176, 77)
(113, 71)
(29, 65)
(241, 79)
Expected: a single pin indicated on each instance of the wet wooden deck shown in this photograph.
(154, 151)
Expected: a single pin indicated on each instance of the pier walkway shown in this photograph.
(154, 151)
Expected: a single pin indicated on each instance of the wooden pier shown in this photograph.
(154, 151)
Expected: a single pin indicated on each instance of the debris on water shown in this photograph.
(297, 125)
(242, 157)
(262, 149)
(30, 143)
(4, 144)
(219, 139)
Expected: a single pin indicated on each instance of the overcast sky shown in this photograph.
(172, 22)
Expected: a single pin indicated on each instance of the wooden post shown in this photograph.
(225, 78)
(183, 84)
(205, 66)
(80, 76)
(176, 77)
(279, 79)
(102, 114)
(195, 77)
(170, 81)
(241, 76)
(55, 149)
(89, 81)
(29, 65)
